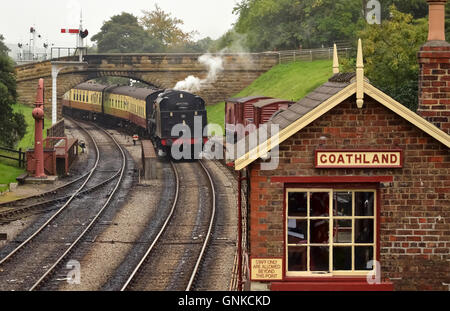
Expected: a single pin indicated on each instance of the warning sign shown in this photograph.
(266, 269)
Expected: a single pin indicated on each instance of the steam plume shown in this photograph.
(214, 64)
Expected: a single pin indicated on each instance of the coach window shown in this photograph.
(330, 232)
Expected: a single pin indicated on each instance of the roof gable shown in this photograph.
(317, 103)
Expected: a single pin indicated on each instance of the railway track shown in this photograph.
(28, 265)
(17, 209)
(181, 243)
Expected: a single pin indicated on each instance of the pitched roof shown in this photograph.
(140, 93)
(245, 99)
(315, 104)
(308, 103)
(90, 86)
(265, 102)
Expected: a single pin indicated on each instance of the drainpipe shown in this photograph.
(240, 180)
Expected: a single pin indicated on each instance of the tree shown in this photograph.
(201, 46)
(123, 34)
(288, 24)
(390, 52)
(165, 29)
(12, 125)
(417, 8)
(3, 48)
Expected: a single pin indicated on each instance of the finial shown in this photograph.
(335, 60)
(359, 76)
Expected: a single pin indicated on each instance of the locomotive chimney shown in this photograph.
(434, 76)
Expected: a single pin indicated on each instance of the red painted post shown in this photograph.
(38, 115)
(240, 180)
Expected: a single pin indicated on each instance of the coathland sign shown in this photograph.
(359, 158)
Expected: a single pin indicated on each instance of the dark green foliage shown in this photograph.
(12, 125)
(3, 48)
(417, 8)
(390, 54)
(123, 34)
(289, 24)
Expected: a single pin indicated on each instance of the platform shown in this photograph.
(36, 181)
(149, 160)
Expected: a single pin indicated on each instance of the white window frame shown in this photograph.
(330, 243)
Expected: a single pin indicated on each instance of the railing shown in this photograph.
(24, 58)
(56, 143)
(56, 130)
(312, 54)
(17, 155)
(58, 52)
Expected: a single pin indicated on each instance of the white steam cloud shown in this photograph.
(214, 64)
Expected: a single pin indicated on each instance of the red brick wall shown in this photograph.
(434, 85)
(414, 209)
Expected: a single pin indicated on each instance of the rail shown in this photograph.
(208, 234)
(160, 233)
(164, 227)
(92, 222)
(60, 210)
(21, 158)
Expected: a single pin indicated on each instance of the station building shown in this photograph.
(360, 199)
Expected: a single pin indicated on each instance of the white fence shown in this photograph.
(311, 55)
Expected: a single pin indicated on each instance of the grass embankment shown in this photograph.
(9, 169)
(290, 81)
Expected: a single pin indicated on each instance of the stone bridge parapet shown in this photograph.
(160, 70)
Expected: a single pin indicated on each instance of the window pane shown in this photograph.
(364, 202)
(297, 202)
(342, 258)
(364, 231)
(342, 231)
(363, 255)
(320, 204)
(297, 231)
(342, 204)
(319, 231)
(320, 257)
(297, 258)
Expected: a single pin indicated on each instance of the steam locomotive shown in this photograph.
(167, 117)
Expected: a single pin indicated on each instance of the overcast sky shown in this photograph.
(209, 17)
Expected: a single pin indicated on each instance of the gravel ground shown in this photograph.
(216, 270)
(43, 251)
(111, 252)
(14, 228)
(112, 246)
(169, 265)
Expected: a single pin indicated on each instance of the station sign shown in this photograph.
(266, 269)
(359, 158)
